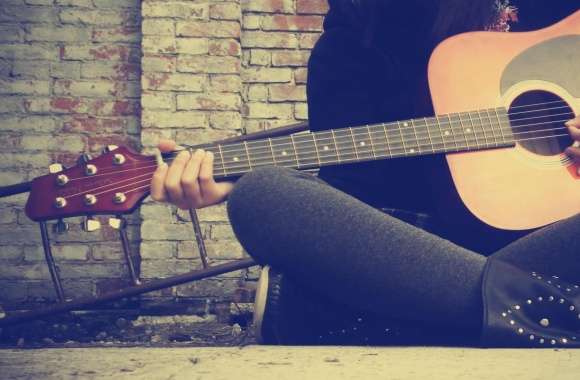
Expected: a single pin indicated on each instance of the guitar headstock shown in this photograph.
(114, 183)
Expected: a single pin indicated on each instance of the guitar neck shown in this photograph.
(458, 132)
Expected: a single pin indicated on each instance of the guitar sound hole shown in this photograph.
(537, 119)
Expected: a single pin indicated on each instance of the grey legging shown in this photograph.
(359, 256)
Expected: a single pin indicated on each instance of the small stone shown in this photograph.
(100, 336)
(236, 329)
(47, 341)
(20, 342)
(156, 339)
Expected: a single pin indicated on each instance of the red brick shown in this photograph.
(312, 6)
(292, 23)
(290, 58)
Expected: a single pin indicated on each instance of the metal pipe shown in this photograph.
(50, 262)
(6, 191)
(198, 237)
(127, 252)
(127, 292)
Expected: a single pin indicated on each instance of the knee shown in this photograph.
(254, 191)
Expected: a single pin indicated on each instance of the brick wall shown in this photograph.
(209, 70)
(69, 82)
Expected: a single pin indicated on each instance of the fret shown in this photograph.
(363, 147)
(402, 138)
(233, 159)
(463, 129)
(222, 160)
(305, 150)
(295, 151)
(482, 133)
(316, 149)
(411, 124)
(390, 152)
(248, 154)
(458, 134)
(261, 154)
(326, 146)
(471, 129)
(436, 135)
(489, 129)
(371, 141)
(505, 126)
(448, 135)
(497, 133)
(336, 146)
(345, 145)
(503, 138)
(424, 120)
(379, 142)
(283, 152)
(272, 151)
(484, 129)
(353, 142)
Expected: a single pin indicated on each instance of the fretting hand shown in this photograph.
(574, 129)
(188, 182)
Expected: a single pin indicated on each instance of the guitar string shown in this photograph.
(459, 128)
(148, 186)
(458, 141)
(223, 151)
(320, 158)
(148, 179)
(359, 130)
(397, 127)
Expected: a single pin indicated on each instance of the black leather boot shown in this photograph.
(528, 309)
(289, 314)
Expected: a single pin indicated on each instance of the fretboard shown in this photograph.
(458, 132)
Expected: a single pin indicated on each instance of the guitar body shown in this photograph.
(533, 183)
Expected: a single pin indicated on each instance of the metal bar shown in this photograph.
(128, 292)
(50, 262)
(6, 191)
(127, 252)
(198, 237)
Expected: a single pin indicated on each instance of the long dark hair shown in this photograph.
(448, 17)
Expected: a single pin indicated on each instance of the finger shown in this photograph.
(574, 153)
(173, 178)
(166, 145)
(189, 180)
(574, 132)
(206, 180)
(574, 122)
(157, 183)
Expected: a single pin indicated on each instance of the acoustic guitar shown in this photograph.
(501, 101)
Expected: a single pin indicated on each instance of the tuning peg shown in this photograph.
(110, 148)
(117, 223)
(84, 158)
(91, 225)
(55, 168)
(60, 227)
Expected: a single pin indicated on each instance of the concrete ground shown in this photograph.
(277, 363)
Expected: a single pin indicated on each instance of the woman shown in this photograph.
(353, 274)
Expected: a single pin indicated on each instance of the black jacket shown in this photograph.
(357, 79)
